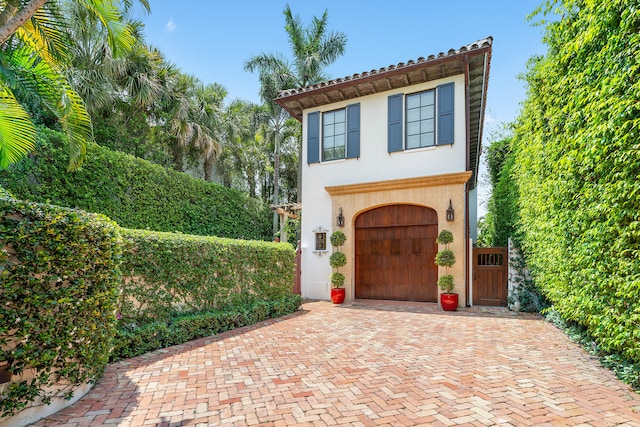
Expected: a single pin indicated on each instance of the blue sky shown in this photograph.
(212, 39)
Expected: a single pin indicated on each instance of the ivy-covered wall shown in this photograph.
(59, 279)
(577, 170)
(135, 193)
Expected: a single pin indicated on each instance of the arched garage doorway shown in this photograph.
(395, 248)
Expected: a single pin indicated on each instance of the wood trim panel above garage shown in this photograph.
(397, 184)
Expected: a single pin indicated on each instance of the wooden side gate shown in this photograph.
(298, 271)
(490, 276)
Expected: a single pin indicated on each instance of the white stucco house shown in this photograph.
(389, 151)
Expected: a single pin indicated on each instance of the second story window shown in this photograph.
(421, 119)
(421, 111)
(334, 135)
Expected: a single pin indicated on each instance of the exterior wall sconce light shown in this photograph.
(450, 212)
(340, 219)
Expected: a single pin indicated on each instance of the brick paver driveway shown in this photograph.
(364, 364)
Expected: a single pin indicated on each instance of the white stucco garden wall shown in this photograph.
(374, 164)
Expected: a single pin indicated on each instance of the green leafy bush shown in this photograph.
(337, 279)
(500, 222)
(445, 258)
(338, 238)
(167, 274)
(337, 260)
(445, 283)
(6, 194)
(132, 340)
(60, 269)
(59, 275)
(135, 193)
(445, 237)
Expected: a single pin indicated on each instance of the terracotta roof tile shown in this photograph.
(480, 44)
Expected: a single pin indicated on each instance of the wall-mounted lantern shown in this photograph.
(340, 219)
(450, 212)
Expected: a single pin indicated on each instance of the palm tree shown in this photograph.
(194, 120)
(33, 56)
(243, 155)
(313, 49)
(273, 128)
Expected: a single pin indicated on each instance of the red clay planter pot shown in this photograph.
(449, 302)
(337, 295)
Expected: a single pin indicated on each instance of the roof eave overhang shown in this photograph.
(295, 101)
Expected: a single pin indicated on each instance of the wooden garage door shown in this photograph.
(395, 251)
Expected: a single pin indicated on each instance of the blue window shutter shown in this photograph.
(353, 131)
(394, 141)
(313, 137)
(445, 127)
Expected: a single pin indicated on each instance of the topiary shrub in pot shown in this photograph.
(337, 260)
(446, 258)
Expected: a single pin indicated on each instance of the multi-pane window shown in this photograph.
(334, 135)
(421, 113)
(321, 240)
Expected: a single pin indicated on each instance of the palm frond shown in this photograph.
(267, 62)
(120, 33)
(51, 87)
(317, 31)
(137, 75)
(36, 51)
(77, 124)
(17, 133)
(45, 34)
(332, 48)
(296, 32)
(128, 5)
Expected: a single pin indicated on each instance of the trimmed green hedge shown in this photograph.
(132, 340)
(135, 193)
(72, 281)
(59, 275)
(167, 274)
(180, 287)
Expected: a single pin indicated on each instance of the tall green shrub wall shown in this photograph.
(59, 275)
(135, 193)
(577, 170)
(168, 274)
(502, 213)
